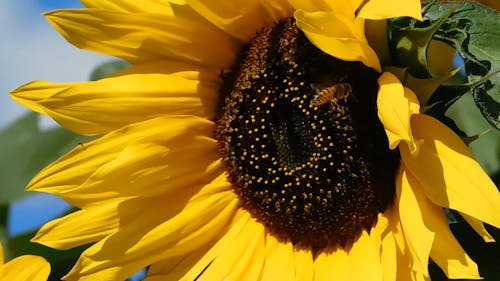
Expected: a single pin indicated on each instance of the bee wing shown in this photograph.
(317, 87)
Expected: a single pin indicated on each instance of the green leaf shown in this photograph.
(108, 68)
(474, 31)
(409, 41)
(25, 150)
(486, 148)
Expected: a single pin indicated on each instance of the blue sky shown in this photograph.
(31, 49)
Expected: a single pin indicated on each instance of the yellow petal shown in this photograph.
(389, 254)
(1, 254)
(338, 36)
(279, 260)
(478, 226)
(386, 9)
(360, 262)
(147, 240)
(323, 23)
(189, 267)
(449, 174)
(239, 18)
(396, 105)
(25, 268)
(175, 268)
(31, 93)
(394, 240)
(418, 218)
(140, 37)
(242, 259)
(277, 9)
(209, 75)
(304, 266)
(404, 259)
(96, 107)
(449, 255)
(236, 227)
(96, 221)
(157, 156)
(209, 78)
(311, 5)
(346, 8)
(131, 6)
(80, 228)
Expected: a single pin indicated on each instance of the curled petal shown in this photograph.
(396, 104)
(338, 36)
(386, 9)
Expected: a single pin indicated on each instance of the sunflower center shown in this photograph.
(303, 147)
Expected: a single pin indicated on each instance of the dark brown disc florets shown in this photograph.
(299, 135)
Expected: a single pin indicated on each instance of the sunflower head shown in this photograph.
(291, 114)
(259, 140)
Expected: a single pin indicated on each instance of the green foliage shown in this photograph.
(486, 148)
(410, 42)
(25, 150)
(473, 30)
(108, 68)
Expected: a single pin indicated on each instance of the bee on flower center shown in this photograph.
(334, 93)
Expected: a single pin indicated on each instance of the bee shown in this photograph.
(334, 93)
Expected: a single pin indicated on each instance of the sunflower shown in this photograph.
(252, 140)
(27, 267)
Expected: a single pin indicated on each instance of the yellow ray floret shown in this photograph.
(24, 268)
